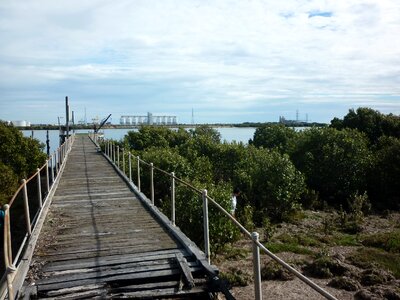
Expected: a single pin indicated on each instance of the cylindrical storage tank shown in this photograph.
(19, 123)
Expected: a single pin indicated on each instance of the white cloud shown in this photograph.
(236, 54)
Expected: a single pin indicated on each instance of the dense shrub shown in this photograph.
(19, 158)
(271, 182)
(384, 183)
(189, 215)
(155, 136)
(334, 162)
(275, 136)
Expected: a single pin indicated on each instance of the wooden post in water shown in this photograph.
(47, 143)
(66, 117)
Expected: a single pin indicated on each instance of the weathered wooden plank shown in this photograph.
(101, 252)
(160, 292)
(76, 289)
(100, 272)
(115, 259)
(186, 271)
(128, 278)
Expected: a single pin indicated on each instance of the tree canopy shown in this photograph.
(19, 157)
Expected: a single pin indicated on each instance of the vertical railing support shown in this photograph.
(205, 226)
(173, 198)
(52, 169)
(138, 173)
(47, 177)
(118, 157)
(56, 154)
(130, 166)
(10, 269)
(26, 208)
(123, 160)
(39, 188)
(257, 267)
(114, 155)
(152, 182)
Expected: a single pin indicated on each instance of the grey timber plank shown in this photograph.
(111, 260)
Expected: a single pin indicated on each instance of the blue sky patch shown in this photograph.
(326, 14)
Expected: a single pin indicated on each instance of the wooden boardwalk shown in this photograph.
(100, 241)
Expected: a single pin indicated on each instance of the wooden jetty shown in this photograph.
(101, 240)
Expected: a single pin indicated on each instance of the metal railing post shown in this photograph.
(26, 208)
(60, 155)
(47, 176)
(152, 182)
(39, 187)
(130, 166)
(123, 160)
(115, 154)
(118, 157)
(52, 169)
(206, 226)
(138, 173)
(10, 269)
(173, 198)
(56, 160)
(256, 267)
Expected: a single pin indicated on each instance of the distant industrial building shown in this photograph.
(283, 120)
(148, 120)
(22, 123)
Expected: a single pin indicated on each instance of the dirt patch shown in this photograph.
(334, 246)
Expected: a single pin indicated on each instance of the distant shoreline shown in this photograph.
(117, 126)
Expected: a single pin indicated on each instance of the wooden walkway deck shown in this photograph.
(100, 241)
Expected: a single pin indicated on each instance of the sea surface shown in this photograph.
(228, 134)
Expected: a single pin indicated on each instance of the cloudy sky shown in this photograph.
(228, 60)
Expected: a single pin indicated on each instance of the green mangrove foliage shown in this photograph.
(19, 157)
(334, 162)
(268, 179)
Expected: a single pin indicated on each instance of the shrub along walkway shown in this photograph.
(100, 240)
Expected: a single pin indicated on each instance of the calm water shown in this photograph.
(228, 134)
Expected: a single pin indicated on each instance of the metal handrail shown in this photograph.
(110, 153)
(55, 162)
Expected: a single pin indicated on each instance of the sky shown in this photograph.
(228, 61)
